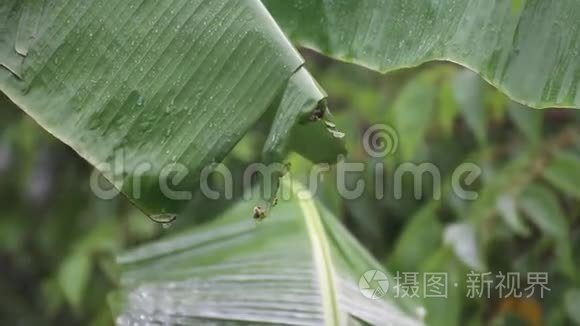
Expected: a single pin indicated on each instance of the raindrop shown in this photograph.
(330, 124)
(165, 219)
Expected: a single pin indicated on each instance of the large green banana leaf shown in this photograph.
(157, 84)
(530, 49)
(141, 88)
(300, 267)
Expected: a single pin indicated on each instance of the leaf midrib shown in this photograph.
(321, 253)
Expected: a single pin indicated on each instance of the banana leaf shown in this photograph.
(530, 49)
(299, 267)
(145, 90)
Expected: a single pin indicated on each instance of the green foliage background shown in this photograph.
(57, 240)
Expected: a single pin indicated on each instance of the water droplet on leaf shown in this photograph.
(163, 218)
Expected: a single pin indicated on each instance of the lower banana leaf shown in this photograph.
(299, 267)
